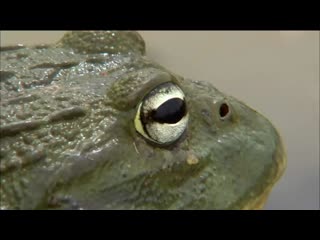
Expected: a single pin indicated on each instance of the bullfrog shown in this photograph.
(90, 122)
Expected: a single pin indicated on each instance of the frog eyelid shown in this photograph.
(153, 83)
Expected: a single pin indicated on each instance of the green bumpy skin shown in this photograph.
(68, 140)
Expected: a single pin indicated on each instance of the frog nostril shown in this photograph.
(224, 110)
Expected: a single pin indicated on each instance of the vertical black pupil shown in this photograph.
(170, 111)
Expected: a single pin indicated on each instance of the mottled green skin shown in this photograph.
(68, 139)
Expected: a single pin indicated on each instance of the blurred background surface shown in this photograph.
(275, 72)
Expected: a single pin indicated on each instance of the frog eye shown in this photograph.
(162, 115)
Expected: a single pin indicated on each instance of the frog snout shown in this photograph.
(280, 158)
(279, 165)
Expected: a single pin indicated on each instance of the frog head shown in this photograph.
(176, 143)
(111, 129)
